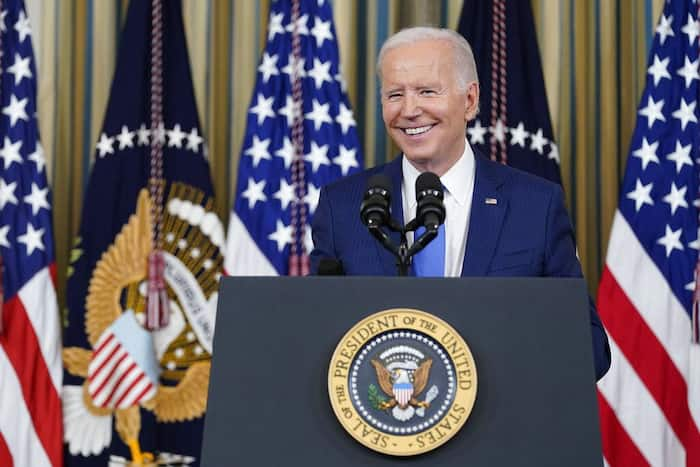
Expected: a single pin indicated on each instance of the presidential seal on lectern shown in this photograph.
(402, 382)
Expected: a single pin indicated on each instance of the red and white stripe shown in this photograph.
(645, 402)
(31, 377)
(115, 379)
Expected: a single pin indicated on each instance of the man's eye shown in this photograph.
(393, 96)
(427, 92)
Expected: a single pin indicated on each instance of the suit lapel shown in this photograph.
(386, 258)
(486, 218)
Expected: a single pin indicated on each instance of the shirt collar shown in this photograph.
(454, 181)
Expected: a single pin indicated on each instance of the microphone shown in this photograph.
(430, 211)
(330, 267)
(374, 210)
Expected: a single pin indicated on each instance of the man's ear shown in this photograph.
(472, 102)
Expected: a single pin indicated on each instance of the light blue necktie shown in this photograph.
(430, 261)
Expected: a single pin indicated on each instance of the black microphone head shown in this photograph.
(374, 210)
(428, 181)
(429, 195)
(380, 181)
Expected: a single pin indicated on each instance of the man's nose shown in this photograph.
(411, 106)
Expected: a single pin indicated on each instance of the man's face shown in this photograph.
(424, 111)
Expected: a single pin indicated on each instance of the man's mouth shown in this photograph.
(418, 130)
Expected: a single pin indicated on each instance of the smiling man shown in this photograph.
(499, 221)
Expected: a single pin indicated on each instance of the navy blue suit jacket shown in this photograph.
(526, 233)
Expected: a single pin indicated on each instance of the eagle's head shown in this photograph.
(400, 375)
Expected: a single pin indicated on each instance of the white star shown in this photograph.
(695, 244)
(176, 136)
(297, 65)
(538, 141)
(518, 135)
(553, 152)
(686, 113)
(7, 193)
(263, 108)
(346, 159)
(38, 157)
(10, 152)
(258, 150)
(308, 239)
(317, 156)
(311, 197)
(158, 134)
(282, 235)
(254, 192)
(344, 118)
(319, 114)
(641, 195)
(659, 69)
(681, 156)
(689, 71)
(671, 240)
(144, 134)
(16, 110)
(339, 78)
(286, 152)
(4, 230)
(691, 29)
(104, 145)
(647, 153)
(32, 239)
(676, 198)
(653, 111)
(321, 31)
(3, 27)
(288, 110)
(22, 26)
(300, 26)
(275, 26)
(125, 138)
(268, 67)
(477, 133)
(664, 28)
(37, 198)
(498, 132)
(285, 194)
(193, 140)
(20, 68)
(320, 72)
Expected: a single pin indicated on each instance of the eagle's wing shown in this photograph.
(384, 378)
(187, 400)
(77, 360)
(420, 377)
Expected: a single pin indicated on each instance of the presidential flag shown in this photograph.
(300, 135)
(649, 401)
(30, 346)
(513, 125)
(133, 395)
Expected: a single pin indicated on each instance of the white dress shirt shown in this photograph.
(459, 190)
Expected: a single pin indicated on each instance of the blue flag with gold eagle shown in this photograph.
(130, 394)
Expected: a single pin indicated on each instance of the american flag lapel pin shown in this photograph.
(493, 201)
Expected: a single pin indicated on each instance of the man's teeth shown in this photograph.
(417, 131)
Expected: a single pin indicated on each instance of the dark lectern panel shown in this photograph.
(268, 401)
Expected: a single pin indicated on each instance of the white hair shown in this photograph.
(465, 66)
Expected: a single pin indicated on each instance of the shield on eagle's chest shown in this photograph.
(122, 371)
(402, 392)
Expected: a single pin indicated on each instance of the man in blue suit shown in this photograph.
(499, 221)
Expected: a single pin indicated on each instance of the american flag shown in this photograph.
(30, 360)
(650, 400)
(275, 200)
(513, 125)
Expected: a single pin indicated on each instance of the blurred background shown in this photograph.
(593, 55)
